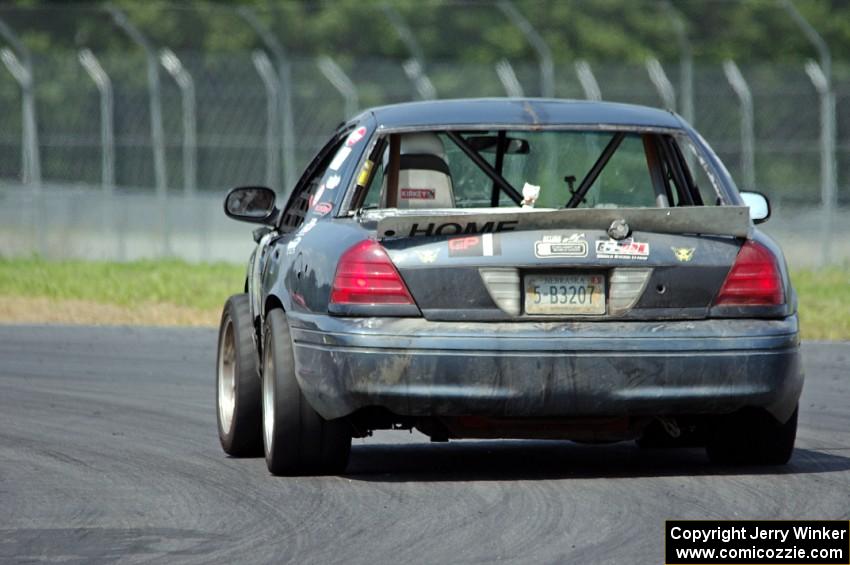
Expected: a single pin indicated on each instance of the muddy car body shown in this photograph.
(419, 276)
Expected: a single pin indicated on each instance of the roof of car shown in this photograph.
(521, 112)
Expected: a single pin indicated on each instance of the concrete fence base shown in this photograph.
(82, 222)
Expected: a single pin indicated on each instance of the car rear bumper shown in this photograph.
(414, 367)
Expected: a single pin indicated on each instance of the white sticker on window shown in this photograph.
(340, 158)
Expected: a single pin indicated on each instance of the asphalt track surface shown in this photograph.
(109, 452)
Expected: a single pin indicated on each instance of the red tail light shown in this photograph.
(366, 275)
(754, 279)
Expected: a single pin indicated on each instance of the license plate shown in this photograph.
(564, 294)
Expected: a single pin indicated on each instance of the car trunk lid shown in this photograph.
(542, 265)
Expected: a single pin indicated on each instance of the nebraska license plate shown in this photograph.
(564, 294)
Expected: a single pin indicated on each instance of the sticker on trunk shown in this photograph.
(561, 246)
(427, 255)
(452, 228)
(683, 254)
(623, 249)
(485, 245)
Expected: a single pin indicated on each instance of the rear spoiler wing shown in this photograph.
(393, 223)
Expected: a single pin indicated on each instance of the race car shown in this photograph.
(509, 268)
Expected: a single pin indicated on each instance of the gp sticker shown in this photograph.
(486, 245)
(355, 136)
(417, 194)
(340, 158)
(561, 246)
(624, 249)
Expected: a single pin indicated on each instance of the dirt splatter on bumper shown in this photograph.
(420, 368)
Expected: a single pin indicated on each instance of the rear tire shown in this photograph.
(297, 440)
(751, 437)
(238, 382)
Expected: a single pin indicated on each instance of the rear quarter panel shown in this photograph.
(301, 272)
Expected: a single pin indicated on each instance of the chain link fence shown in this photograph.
(257, 119)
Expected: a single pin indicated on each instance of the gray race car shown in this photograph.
(515, 268)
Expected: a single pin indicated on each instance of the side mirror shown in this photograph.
(759, 206)
(250, 204)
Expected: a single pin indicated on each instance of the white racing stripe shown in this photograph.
(487, 242)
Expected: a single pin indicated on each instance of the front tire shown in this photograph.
(238, 382)
(297, 440)
(751, 437)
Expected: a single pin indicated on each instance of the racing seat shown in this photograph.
(424, 179)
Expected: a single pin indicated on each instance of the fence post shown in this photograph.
(745, 99)
(157, 132)
(416, 74)
(188, 102)
(509, 80)
(103, 83)
(267, 75)
(662, 83)
(284, 76)
(588, 80)
(829, 198)
(340, 81)
(544, 54)
(184, 81)
(18, 61)
(821, 77)
(686, 62)
(21, 71)
(107, 144)
(414, 67)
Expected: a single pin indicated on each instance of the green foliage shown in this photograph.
(620, 30)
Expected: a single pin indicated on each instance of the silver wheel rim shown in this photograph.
(227, 378)
(268, 399)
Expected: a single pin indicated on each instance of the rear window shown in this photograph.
(504, 168)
